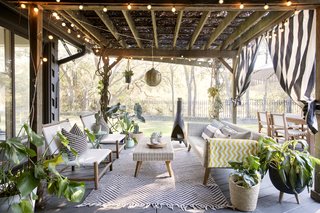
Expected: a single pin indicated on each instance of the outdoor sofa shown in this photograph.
(217, 152)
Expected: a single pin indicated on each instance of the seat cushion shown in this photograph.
(77, 141)
(226, 130)
(198, 145)
(241, 135)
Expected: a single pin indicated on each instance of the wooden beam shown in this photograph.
(226, 64)
(181, 62)
(246, 25)
(112, 29)
(202, 22)
(36, 74)
(266, 23)
(132, 27)
(222, 26)
(177, 29)
(165, 53)
(315, 193)
(154, 26)
(83, 22)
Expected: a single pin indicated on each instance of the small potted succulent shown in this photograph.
(128, 75)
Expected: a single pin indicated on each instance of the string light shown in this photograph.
(57, 0)
(105, 9)
(281, 30)
(286, 23)
(78, 35)
(289, 3)
(296, 12)
(69, 30)
(173, 9)
(50, 37)
(44, 59)
(189, 59)
(241, 6)
(54, 14)
(36, 10)
(142, 59)
(161, 58)
(129, 6)
(149, 7)
(63, 24)
(80, 6)
(57, 17)
(86, 39)
(72, 25)
(23, 6)
(97, 50)
(266, 6)
(171, 59)
(220, 1)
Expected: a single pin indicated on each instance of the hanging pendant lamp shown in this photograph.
(153, 76)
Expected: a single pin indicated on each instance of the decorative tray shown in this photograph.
(160, 145)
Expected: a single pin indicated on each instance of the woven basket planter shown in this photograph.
(241, 198)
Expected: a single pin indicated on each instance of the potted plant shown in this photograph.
(290, 169)
(137, 134)
(21, 174)
(128, 74)
(96, 127)
(126, 124)
(244, 183)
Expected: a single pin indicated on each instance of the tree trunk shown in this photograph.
(172, 90)
(189, 88)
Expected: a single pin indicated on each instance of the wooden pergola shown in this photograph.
(182, 29)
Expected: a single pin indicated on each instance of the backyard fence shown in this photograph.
(200, 109)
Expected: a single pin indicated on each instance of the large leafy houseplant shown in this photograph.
(244, 183)
(22, 171)
(294, 166)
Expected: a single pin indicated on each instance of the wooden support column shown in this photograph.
(234, 91)
(315, 193)
(35, 39)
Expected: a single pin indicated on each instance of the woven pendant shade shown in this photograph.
(153, 77)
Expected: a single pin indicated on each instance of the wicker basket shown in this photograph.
(241, 198)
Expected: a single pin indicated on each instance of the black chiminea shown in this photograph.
(178, 132)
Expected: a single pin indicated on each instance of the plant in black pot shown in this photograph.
(128, 75)
(21, 174)
(290, 168)
(244, 183)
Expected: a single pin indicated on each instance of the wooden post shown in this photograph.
(234, 91)
(315, 193)
(35, 39)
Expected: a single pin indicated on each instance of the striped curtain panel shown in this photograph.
(245, 67)
(292, 49)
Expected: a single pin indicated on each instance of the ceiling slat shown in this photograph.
(177, 28)
(154, 26)
(222, 26)
(266, 23)
(246, 25)
(132, 27)
(112, 29)
(84, 23)
(202, 22)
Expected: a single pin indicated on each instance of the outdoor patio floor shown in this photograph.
(268, 200)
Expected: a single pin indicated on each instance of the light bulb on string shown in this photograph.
(296, 12)
(266, 6)
(241, 6)
(50, 37)
(129, 6)
(81, 7)
(54, 14)
(149, 7)
(57, 0)
(220, 1)
(23, 6)
(78, 35)
(69, 30)
(63, 24)
(44, 59)
(105, 9)
(58, 17)
(36, 9)
(289, 3)
(173, 9)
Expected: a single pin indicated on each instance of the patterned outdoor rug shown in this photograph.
(153, 186)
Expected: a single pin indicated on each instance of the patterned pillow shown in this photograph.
(226, 130)
(208, 132)
(77, 141)
(217, 124)
(219, 134)
(242, 135)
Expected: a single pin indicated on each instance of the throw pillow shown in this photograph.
(219, 134)
(217, 124)
(77, 141)
(241, 135)
(226, 130)
(208, 132)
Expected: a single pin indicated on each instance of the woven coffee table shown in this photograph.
(143, 153)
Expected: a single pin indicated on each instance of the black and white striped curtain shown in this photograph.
(245, 67)
(292, 49)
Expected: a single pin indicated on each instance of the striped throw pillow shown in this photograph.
(77, 141)
(208, 132)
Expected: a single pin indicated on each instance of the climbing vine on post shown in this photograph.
(105, 74)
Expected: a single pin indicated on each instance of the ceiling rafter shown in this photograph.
(221, 27)
(246, 25)
(154, 26)
(83, 30)
(132, 27)
(177, 28)
(182, 62)
(165, 53)
(202, 22)
(106, 20)
(83, 22)
(268, 21)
